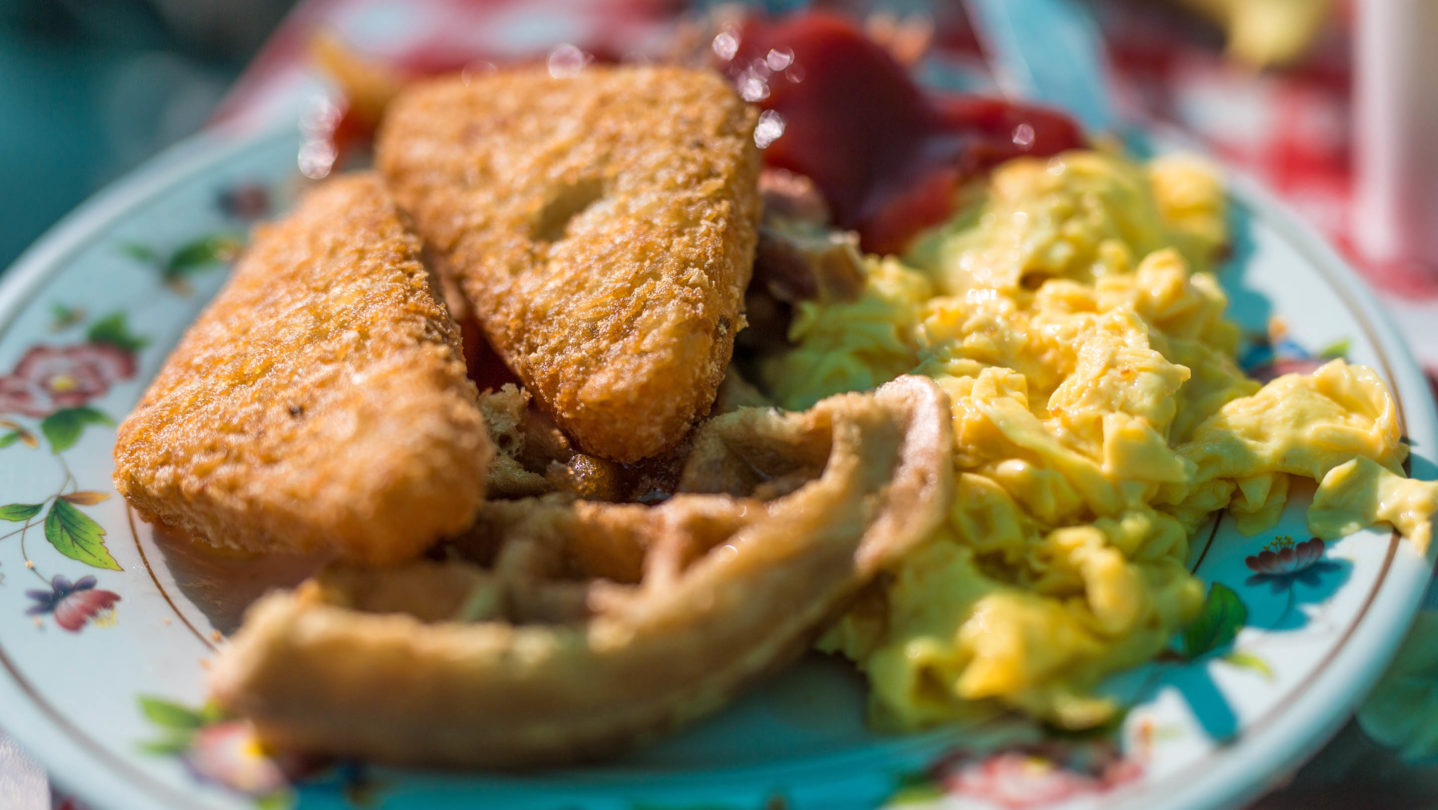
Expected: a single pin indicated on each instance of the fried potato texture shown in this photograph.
(602, 227)
(320, 402)
(562, 630)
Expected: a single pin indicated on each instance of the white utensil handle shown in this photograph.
(1396, 215)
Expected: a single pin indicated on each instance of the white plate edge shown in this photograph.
(57, 751)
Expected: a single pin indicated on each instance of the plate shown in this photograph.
(105, 628)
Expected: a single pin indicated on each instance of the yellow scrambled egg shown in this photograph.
(1100, 418)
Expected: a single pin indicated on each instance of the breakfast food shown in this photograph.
(1100, 418)
(986, 395)
(590, 626)
(320, 403)
(602, 229)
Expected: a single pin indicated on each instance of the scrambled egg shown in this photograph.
(1100, 418)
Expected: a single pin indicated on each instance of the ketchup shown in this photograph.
(839, 109)
(887, 157)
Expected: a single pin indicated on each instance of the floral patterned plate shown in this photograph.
(105, 629)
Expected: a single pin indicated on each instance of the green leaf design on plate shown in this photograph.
(201, 253)
(17, 434)
(63, 428)
(140, 252)
(212, 713)
(171, 715)
(1248, 660)
(279, 800)
(77, 536)
(114, 329)
(20, 512)
(1399, 711)
(1336, 349)
(167, 747)
(1217, 625)
(63, 316)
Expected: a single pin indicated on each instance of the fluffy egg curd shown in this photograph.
(1100, 418)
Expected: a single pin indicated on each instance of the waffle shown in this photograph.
(560, 630)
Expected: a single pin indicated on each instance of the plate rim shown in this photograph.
(1295, 733)
(1302, 724)
(109, 781)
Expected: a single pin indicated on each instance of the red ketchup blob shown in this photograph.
(887, 157)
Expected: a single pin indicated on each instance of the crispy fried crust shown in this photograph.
(595, 626)
(602, 227)
(320, 402)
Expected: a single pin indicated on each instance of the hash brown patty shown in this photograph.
(320, 402)
(602, 228)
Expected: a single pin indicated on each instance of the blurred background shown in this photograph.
(91, 88)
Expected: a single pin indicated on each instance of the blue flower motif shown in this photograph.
(73, 604)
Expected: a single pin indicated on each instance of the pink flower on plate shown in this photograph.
(1283, 563)
(1282, 556)
(230, 754)
(1036, 775)
(51, 378)
(73, 604)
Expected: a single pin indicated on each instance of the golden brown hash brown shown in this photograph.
(320, 402)
(602, 227)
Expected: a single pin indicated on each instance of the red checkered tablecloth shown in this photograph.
(1291, 129)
